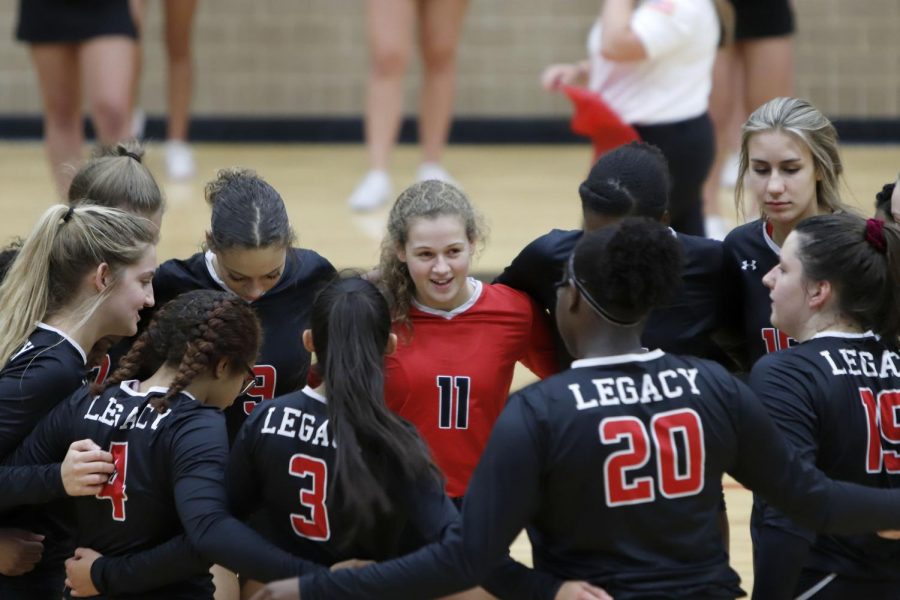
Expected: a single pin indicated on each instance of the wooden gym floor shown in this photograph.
(523, 191)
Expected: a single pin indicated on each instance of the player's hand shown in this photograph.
(286, 589)
(890, 534)
(19, 551)
(353, 563)
(581, 590)
(78, 573)
(556, 76)
(86, 468)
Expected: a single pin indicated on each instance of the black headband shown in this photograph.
(605, 314)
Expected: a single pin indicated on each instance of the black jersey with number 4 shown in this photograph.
(283, 312)
(684, 326)
(617, 466)
(41, 374)
(750, 253)
(282, 462)
(835, 398)
(170, 469)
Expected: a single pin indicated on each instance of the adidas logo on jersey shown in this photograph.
(748, 265)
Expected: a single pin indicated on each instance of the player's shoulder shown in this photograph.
(502, 298)
(305, 264)
(700, 248)
(748, 233)
(553, 246)
(179, 274)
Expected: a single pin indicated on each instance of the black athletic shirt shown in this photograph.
(684, 326)
(169, 479)
(835, 398)
(617, 464)
(283, 312)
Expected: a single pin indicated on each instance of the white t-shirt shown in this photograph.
(673, 83)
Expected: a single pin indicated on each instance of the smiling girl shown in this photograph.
(791, 167)
(459, 338)
(82, 274)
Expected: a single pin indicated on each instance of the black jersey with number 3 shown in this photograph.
(750, 253)
(835, 398)
(283, 312)
(282, 462)
(170, 469)
(617, 466)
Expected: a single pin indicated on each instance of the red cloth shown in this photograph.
(594, 119)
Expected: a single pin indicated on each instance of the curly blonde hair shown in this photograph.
(429, 200)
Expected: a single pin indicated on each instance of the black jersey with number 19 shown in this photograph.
(835, 398)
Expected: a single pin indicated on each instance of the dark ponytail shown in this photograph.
(351, 325)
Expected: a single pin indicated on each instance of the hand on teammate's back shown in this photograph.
(19, 551)
(581, 590)
(86, 468)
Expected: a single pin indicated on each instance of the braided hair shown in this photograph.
(192, 333)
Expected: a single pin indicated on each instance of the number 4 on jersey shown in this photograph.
(114, 488)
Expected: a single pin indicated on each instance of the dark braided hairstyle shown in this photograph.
(193, 333)
(629, 268)
(631, 180)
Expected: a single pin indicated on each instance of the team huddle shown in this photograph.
(249, 414)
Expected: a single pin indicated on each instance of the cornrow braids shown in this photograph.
(130, 364)
(199, 329)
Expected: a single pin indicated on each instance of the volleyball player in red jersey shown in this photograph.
(459, 338)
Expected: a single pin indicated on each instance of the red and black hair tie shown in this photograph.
(875, 234)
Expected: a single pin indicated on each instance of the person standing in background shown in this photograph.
(179, 20)
(390, 25)
(76, 45)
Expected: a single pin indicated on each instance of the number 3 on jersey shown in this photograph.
(314, 523)
(679, 467)
(114, 488)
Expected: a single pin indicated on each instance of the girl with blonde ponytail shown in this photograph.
(82, 274)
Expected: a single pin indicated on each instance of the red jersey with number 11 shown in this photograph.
(450, 375)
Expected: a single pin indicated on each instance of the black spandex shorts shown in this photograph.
(72, 21)
(762, 18)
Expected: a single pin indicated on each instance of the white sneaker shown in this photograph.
(138, 123)
(433, 170)
(373, 191)
(716, 228)
(180, 163)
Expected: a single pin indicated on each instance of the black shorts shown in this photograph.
(829, 586)
(756, 19)
(72, 21)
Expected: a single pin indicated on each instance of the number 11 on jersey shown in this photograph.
(446, 386)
